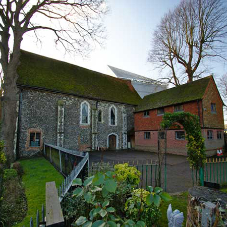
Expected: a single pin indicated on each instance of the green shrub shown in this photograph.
(2, 155)
(136, 208)
(18, 167)
(13, 204)
(9, 174)
(129, 174)
(97, 192)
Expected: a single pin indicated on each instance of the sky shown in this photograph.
(129, 27)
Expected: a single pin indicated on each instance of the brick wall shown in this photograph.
(174, 146)
(152, 122)
(212, 120)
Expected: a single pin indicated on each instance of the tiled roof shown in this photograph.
(42, 72)
(180, 94)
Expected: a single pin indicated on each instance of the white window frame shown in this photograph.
(219, 135)
(81, 105)
(115, 115)
(160, 114)
(177, 108)
(177, 138)
(146, 113)
(147, 135)
(210, 134)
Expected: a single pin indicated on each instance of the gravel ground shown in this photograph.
(178, 170)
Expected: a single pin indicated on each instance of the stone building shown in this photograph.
(71, 107)
(200, 97)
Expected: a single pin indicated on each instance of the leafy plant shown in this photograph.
(97, 191)
(145, 205)
(18, 167)
(126, 173)
(195, 145)
(2, 155)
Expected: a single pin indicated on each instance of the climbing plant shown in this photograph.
(195, 145)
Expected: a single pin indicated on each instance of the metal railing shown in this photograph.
(214, 171)
(67, 183)
(38, 222)
(68, 162)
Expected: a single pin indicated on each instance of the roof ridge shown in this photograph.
(65, 62)
(49, 73)
(179, 86)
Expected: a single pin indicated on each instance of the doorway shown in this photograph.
(112, 142)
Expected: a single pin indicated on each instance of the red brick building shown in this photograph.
(199, 97)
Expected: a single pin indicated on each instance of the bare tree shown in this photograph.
(222, 85)
(193, 32)
(75, 24)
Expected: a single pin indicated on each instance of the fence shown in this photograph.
(214, 171)
(38, 222)
(67, 183)
(63, 159)
(53, 215)
(148, 171)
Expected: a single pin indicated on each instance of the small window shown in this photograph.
(35, 139)
(209, 134)
(147, 135)
(113, 116)
(100, 116)
(219, 135)
(180, 135)
(213, 108)
(160, 111)
(84, 113)
(178, 108)
(161, 135)
(146, 113)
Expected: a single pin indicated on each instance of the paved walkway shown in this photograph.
(178, 171)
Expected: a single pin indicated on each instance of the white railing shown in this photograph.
(67, 183)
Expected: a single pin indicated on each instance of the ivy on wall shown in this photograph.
(195, 145)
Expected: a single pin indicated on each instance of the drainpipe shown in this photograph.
(198, 110)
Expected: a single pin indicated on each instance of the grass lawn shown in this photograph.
(38, 171)
(178, 202)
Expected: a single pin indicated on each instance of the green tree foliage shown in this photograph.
(190, 122)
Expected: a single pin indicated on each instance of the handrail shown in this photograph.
(73, 152)
(67, 183)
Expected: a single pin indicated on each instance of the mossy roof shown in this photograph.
(177, 95)
(47, 73)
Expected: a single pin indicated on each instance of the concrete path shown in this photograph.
(178, 172)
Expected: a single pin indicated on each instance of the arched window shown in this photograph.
(85, 113)
(113, 115)
(100, 116)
